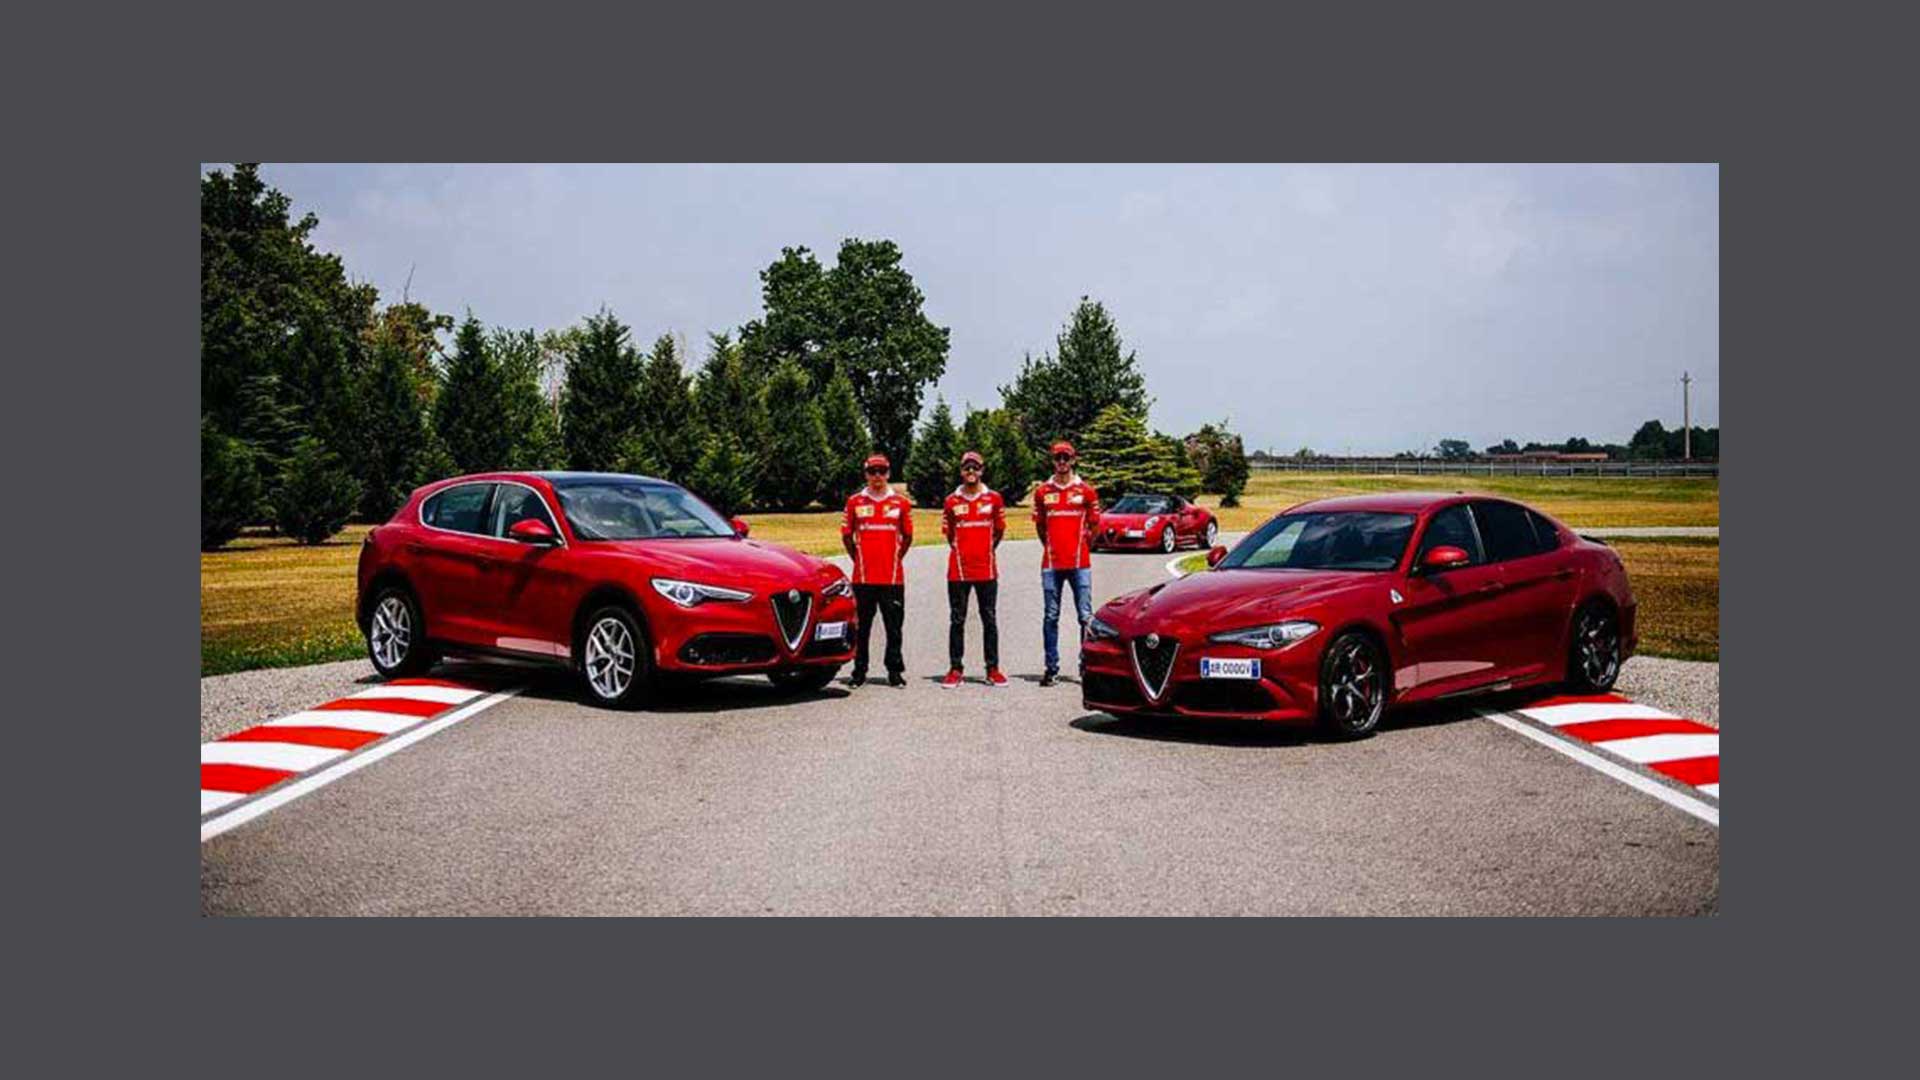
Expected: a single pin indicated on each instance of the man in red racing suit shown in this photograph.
(877, 531)
(974, 521)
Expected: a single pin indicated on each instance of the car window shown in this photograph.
(515, 504)
(1343, 540)
(1142, 504)
(618, 509)
(459, 509)
(1506, 529)
(1544, 532)
(1452, 527)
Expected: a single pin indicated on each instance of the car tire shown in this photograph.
(1593, 648)
(607, 637)
(397, 634)
(806, 680)
(1168, 540)
(1212, 533)
(1353, 686)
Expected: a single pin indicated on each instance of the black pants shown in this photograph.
(891, 600)
(989, 592)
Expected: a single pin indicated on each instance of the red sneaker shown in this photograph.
(952, 680)
(994, 678)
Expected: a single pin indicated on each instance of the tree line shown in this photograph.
(321, 405)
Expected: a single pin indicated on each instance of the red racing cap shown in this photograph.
(973, 457)
(1063, 447)
(878, 461)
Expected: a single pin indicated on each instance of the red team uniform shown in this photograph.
(878, 529)
(1065, 514)
(972, 527)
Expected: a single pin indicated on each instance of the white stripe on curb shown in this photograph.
(384, 723)
(292, 757)
(1557, 715)
(214, 800)
(1673, 797)
(1647, 749)
(1173, 565)
(450, 695)
(288, 792)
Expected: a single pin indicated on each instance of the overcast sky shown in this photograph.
(1348, 308)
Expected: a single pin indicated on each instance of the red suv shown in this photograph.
(622, 578)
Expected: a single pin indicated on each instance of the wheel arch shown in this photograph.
(603, 595)
(1380, 637)
(389, 576)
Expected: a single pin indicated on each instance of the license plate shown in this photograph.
(1135, 534)
(1213, 667)
(830, 631)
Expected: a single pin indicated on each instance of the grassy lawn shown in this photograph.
(1676, 581)
(267, 602)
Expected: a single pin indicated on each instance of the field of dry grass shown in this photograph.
(266, 602)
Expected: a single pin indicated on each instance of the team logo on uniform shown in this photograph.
(961, 508)
(863, 510)
(1052, 497)
(893, 512)
(1076, 498)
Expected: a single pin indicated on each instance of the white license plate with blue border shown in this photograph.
(1135, 534)
(1216, 667)
(830, 631)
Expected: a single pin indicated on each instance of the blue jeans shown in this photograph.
(1050, 582)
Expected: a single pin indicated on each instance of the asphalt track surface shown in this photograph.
(736, 800)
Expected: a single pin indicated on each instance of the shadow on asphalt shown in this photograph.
(1258, 733)
(698, 696)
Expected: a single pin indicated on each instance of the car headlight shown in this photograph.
(693, 593)
(837, 587)
(1150, 522)
(1272, 636)
(1100, 630)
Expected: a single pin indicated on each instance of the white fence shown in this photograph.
(1403, 467)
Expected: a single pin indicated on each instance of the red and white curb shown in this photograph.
(250, 772)
(1608, 732)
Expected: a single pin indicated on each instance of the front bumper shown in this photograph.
(1117, 540)
(741, 638)
(1287, 691)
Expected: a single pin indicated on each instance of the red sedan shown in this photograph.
(1154, 523)
(1334, 610)
(622, 578)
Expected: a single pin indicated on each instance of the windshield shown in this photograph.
(1143, 504)
(1351, 540)
(636, 510)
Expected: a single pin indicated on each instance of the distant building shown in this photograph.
(1549, 456)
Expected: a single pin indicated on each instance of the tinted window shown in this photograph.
(1506, 529)
(1350, 540)
(515, 504)
(606, 509)
(461, 509)
(1452, 527)
(1544, 532)
(1143, 504)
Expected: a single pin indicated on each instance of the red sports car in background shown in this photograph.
(1154, 523)
(1333, 610)
(622, 578)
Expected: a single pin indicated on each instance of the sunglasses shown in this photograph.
(876, 470)
(1063, 457)
(969, 466)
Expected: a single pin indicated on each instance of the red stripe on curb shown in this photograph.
(397, 706)
(336, 738)
(241, 779)
(1599, 731)
(1695, 771)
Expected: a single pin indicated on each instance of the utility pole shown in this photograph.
(1686, 416)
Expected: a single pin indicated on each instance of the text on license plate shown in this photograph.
(1135, 534)
(1212, 667)
(830, 631)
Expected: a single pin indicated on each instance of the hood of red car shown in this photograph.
(1216, 599)
(1127, 521)
(747, 564)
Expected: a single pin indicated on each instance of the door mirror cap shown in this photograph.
(1444, 557)
(739, 527)
(532, 531)
(1215, 554)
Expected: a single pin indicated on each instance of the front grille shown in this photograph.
(1154, 664)
(791, 609)
(728, 649)
(1111, 690)
(1224, 696)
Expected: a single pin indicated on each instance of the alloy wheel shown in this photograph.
(610, 658)
(392, 632)
(1356, 693)
(1168, 541)
(1597, 647)
(1213, 533)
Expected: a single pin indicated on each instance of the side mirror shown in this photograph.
(1444, 557)
(739, 526)
(532, 531)
(1215, 554)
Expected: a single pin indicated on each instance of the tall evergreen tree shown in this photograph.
(1119, 455)
(317, 493)
(533, 435)
(599, 410)
(933, 465)
(727, 396)
(269, 424)
(724, 474)
(1009, 464)
(796, 456)
(847, 440)
(668, 426)
(230, 489)
(469, 411)
(395, 434)
(1059, 395)
(1221, 460)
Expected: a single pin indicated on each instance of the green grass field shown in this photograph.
(267, 602)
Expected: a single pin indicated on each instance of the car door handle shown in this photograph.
(1491, 588)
